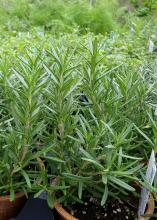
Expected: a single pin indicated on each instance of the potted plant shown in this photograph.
(91, 126)
(21, 131)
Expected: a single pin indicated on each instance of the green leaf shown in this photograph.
(51, 200)
(120, 157)
(20, 78)
(153, 122)
(109, 128)
(97, 164)
(104, 179)
(50, 109)
(50, 73)
(39, 193)
(135, 169)
(56, 159)
(80, 187)
(12, 195)
(129, 157)
(108, 71)
(121, 183)
(75, 139)
(144, 135)
(55, 55)
(63, 185)
(86, 154)
(56, 187)
(42, 152)
(73, 88)
(26, 178)
(90, 45)
(105, 196)
(76, 177)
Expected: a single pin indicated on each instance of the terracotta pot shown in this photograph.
(10, 209)
(64, 215)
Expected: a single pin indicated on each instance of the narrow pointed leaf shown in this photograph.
(105, 195)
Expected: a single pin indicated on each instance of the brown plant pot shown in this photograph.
(64, 215)
(10, 209)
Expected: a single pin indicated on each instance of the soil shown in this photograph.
(113, 210)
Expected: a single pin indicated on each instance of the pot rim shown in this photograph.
(17, 195)
(61, 211)
(67, 216)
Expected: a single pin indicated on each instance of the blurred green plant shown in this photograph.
(59, 16)
(145, 7)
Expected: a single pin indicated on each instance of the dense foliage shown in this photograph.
(58, 15)
(78, 108)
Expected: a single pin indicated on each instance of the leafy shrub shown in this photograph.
(20, 126)
(95, 118)
(67, 15)
(99, 18)
(90, 104)
(145, 7)
(42, 13)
